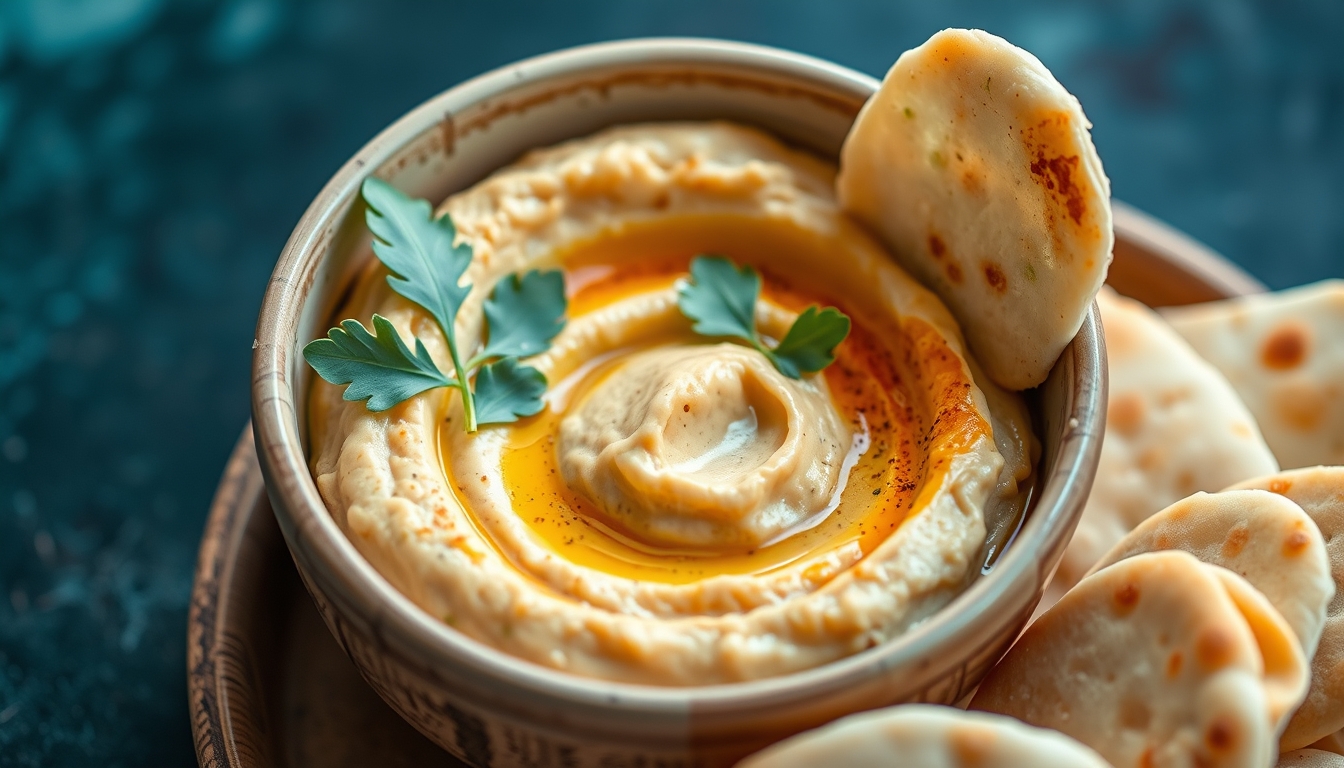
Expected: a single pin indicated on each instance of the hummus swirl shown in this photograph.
(705, 446)
(681, 513)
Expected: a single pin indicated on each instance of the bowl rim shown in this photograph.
(310, 528)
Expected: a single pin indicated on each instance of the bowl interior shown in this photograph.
(456, 139)
(435, 152)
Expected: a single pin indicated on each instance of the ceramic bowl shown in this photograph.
(493, 709)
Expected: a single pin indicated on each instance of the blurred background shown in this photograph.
(154, 155)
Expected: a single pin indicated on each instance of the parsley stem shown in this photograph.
(463, 385)
(468, 403)
(760, 347)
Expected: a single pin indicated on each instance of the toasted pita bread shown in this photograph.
(1174, 426)
(928, 737)
(1158, 660)
(1310, 758)
(1284, 354)
(1319, 491)
(976, 168)
(1287, 671)
(1263, 537)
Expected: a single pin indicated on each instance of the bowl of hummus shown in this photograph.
(665, 457)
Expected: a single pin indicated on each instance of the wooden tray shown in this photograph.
(268, 686)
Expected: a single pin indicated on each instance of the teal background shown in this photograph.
(154, 156)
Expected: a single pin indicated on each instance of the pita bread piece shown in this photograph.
(1263, 537)
(1332, 743)
(976, 168)
(1310, 758)
(1159, 660)
(929, 737)
(1319, 491)
(1284, 354)
(1287, 668)
(1174, 426)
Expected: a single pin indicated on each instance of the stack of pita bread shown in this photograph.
(1224, 393)
(1200, 628)
(1197, 618)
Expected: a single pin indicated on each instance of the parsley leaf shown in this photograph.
(524, 313)
(720, 300)
(419, 250)
(810, 343)
(508, 390)
(379, 368)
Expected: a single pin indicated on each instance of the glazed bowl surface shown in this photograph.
(489, 708)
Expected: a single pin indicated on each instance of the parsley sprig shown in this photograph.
(720, 300)
(523, 314)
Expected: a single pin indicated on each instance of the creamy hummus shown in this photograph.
(681, 513)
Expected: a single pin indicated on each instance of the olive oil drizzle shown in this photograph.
(873, 385)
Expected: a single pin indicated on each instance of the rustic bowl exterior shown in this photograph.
(492, 709)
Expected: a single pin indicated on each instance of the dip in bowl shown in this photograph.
(698, 633)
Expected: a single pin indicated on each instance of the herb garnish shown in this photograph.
(523, 313)
(720, 299)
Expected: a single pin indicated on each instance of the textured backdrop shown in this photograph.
(154, 156)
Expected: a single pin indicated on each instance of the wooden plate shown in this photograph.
(268, 686)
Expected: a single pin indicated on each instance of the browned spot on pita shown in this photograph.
(972, 182)
(937, 247)
(951, 48)
(1185, 482)
(994, 276)
(1174, 663)
(1300, 405)
(1213, 649)
(1134, 714)
(1152, 458)
(1241, 430)
(1296, 543)
(1056, 172)
(1125, 598)
(1236, 540)
(1146, 760)
(1286, 347)
(971, 744)
(1126, 413)
(954, 272)
(1221, 735)
(1280, 485)
(1170, 397)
